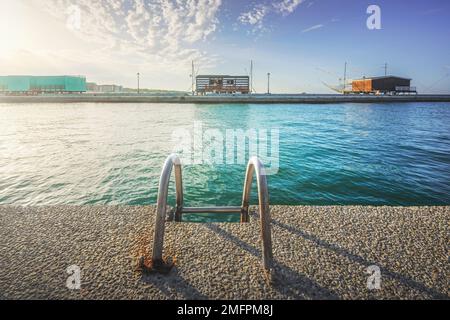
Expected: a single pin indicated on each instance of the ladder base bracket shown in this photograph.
(154, 267)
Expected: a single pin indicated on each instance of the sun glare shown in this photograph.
(12, 31)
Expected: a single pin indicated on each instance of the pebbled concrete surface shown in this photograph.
(320, 253)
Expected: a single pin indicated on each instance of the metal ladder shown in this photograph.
(254, 166)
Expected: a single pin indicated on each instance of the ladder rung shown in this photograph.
(212, 210)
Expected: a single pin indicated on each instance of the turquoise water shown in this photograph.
(368, 154)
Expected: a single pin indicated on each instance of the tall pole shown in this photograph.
(251, 76)
(268, 83)
(192, 76)
(138, 79)
(345, 76)
(385, 69)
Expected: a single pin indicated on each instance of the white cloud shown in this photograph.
(115, 39)
(286, 7)
(317, 26)
(156, 30)
(256, 16)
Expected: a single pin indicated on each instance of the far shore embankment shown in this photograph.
(218, 99)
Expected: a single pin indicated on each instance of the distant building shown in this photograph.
(42, 84)
(222, 84)
(104, 88)
(387, 84)
(110, 88)
(92, 87)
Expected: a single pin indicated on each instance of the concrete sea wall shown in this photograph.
(278, 99)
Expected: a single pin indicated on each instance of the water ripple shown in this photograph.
(329, 154)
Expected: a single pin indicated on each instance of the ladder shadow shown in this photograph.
(284, 276)
(407, 281)
(173, 283)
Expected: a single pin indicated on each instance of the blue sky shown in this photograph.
(301, 43)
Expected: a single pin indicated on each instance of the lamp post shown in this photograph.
(268, 83)
(345, 77)
(138, 78)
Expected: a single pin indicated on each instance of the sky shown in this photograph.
(304, 44)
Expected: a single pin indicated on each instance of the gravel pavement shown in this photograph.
(320, 253)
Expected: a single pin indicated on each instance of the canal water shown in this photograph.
(343, 154)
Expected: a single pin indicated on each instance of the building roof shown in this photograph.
(383, 77)
(219, 76)
(53, 76)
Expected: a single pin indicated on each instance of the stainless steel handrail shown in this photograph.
(255, 165)
(171, 162)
